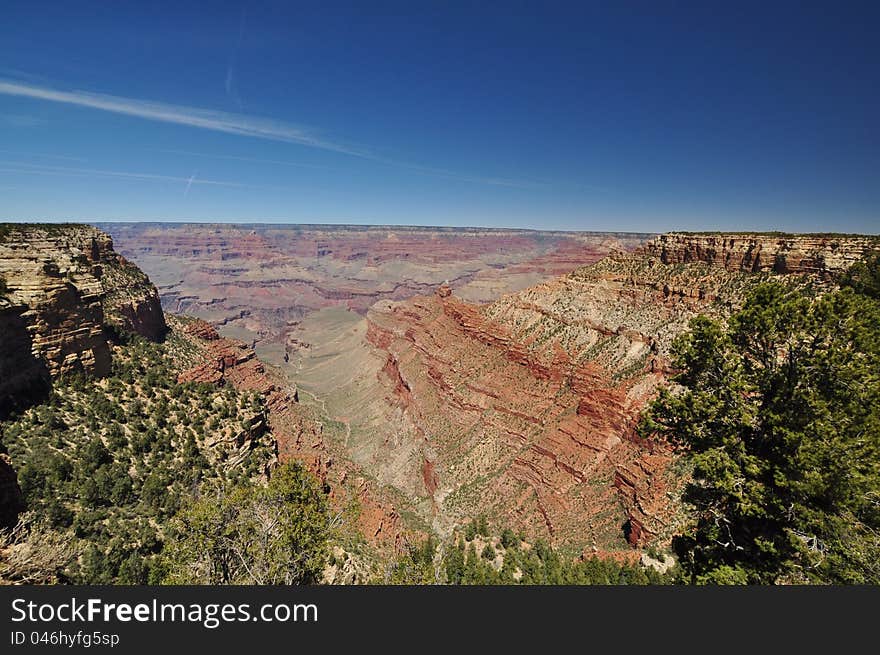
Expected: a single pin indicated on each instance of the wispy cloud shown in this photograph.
(219, 121)
(18, 74)
(238, 124)
(231, 89)
(422, 170)
(38, 169)
(189, 183)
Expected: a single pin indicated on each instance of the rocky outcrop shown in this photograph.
(496, 429)
(51, 274)
(526, 408)
(67, 292)
(23, 375)
(130, 300)
(225, 360)
(813, 254)
(298, 435)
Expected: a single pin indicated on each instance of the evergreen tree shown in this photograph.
(779, 414)
(251, 534)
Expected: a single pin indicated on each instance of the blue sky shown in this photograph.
(644, 117)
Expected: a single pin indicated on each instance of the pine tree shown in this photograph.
(779, 414)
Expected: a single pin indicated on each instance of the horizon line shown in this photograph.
(470, 228)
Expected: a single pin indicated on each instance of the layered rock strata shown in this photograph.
(299, 436)
(785, 254)
(260, 281)
(526, 408)
(66, 294)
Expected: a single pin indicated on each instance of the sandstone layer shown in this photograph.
(258, 282)
(814, 254)
(67, 294)
(525, 408)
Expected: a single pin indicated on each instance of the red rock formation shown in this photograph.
(262, 278)
(298, 435)
(542, 432)
(526, 408)
(429, 477)
(201, 330)
(401, 388)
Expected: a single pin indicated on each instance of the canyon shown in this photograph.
(297, 431)
(69, 301)
(258, 282)
(425, 376)
(525, 409)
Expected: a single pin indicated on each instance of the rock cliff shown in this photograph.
(67, 293)
(525, 408)
(261, 281)
(23, 375)
(298, 435)
(814, 254)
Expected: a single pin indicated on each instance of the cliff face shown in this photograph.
(23, 375)
(66, 294)
(535, 438)
(525, 408)
(262, 281)
(818, 255)
(66, 291)
(298, 435)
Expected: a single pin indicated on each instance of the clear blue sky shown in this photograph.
(646, 116)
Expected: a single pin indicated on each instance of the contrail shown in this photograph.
(238, 124)
(255, 160)
(38, 169)
(207, 119)
(189, 183)
(42, 155)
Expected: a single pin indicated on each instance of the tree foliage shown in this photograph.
(105, 466)
(487, 560)
(253, 534)
(779, 413)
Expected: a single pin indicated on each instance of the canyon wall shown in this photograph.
(66, 293)
(258, 282)
(297, 431)
(785, 254)
(525, 409)
(23, 375)
(66, 297)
